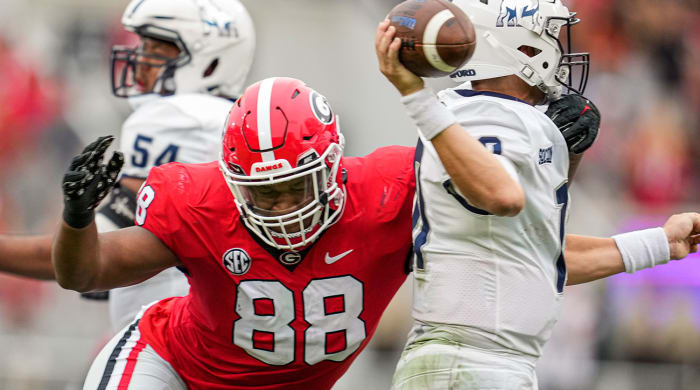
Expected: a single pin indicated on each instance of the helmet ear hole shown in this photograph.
(211, 68)
(529, 50)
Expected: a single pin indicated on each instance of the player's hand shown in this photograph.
(683, 232)
(578, 119)
(88, 181)
(387, 47)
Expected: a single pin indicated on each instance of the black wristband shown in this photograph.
(78, 220)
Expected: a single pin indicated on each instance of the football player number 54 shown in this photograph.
(332, 308)
(142, 152)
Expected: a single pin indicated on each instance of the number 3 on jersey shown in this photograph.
(332, 308)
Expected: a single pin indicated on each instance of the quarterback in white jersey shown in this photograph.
(488, 279)
(181, 81)
(492, 199)
(487, 260)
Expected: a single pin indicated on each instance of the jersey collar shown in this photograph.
(471, 92)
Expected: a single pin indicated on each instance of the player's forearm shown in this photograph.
(27, 256)
(477, 173)
(75, 257)
(591, 258)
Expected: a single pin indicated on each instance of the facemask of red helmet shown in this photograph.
(281, 155)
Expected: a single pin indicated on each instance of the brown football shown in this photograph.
(437, 37)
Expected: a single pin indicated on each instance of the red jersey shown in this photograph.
(252, 321)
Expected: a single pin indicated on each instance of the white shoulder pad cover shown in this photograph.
(184, 128)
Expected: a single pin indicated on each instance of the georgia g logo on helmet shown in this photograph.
(320, 107)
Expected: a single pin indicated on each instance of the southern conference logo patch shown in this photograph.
(236, 261)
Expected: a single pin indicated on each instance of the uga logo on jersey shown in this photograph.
(290, 258)
(236, 261)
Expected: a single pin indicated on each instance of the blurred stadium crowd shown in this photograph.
(631, 332)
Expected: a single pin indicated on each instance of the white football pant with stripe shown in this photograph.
(127, 362)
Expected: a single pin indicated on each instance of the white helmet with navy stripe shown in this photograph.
(504, 26)
(216, 40)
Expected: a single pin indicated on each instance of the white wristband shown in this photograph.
(643, 248)
(430, 116)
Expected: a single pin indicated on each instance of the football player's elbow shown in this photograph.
(71, 282)
(508, 203)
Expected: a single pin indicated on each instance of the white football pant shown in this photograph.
(458, 367)
(128, 362)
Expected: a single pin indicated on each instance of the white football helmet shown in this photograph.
(503, 26)
(216, 41)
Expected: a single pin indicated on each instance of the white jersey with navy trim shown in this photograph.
(497, 280)
(184, 128)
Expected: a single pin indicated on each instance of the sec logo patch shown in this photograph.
(236, 261)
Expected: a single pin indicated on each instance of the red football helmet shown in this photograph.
(281, 155)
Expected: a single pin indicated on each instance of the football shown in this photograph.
(437, 37)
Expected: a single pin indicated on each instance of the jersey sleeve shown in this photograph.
(156, 208)
(393, 166)
(386, 193)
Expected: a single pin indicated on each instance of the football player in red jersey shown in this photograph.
(292, 254)
(266, 309)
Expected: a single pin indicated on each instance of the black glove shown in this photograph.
(88, 181)
(578, 119)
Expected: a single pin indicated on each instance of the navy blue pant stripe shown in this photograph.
(109, 369)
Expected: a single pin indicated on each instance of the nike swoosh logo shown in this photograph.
(333, 259)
